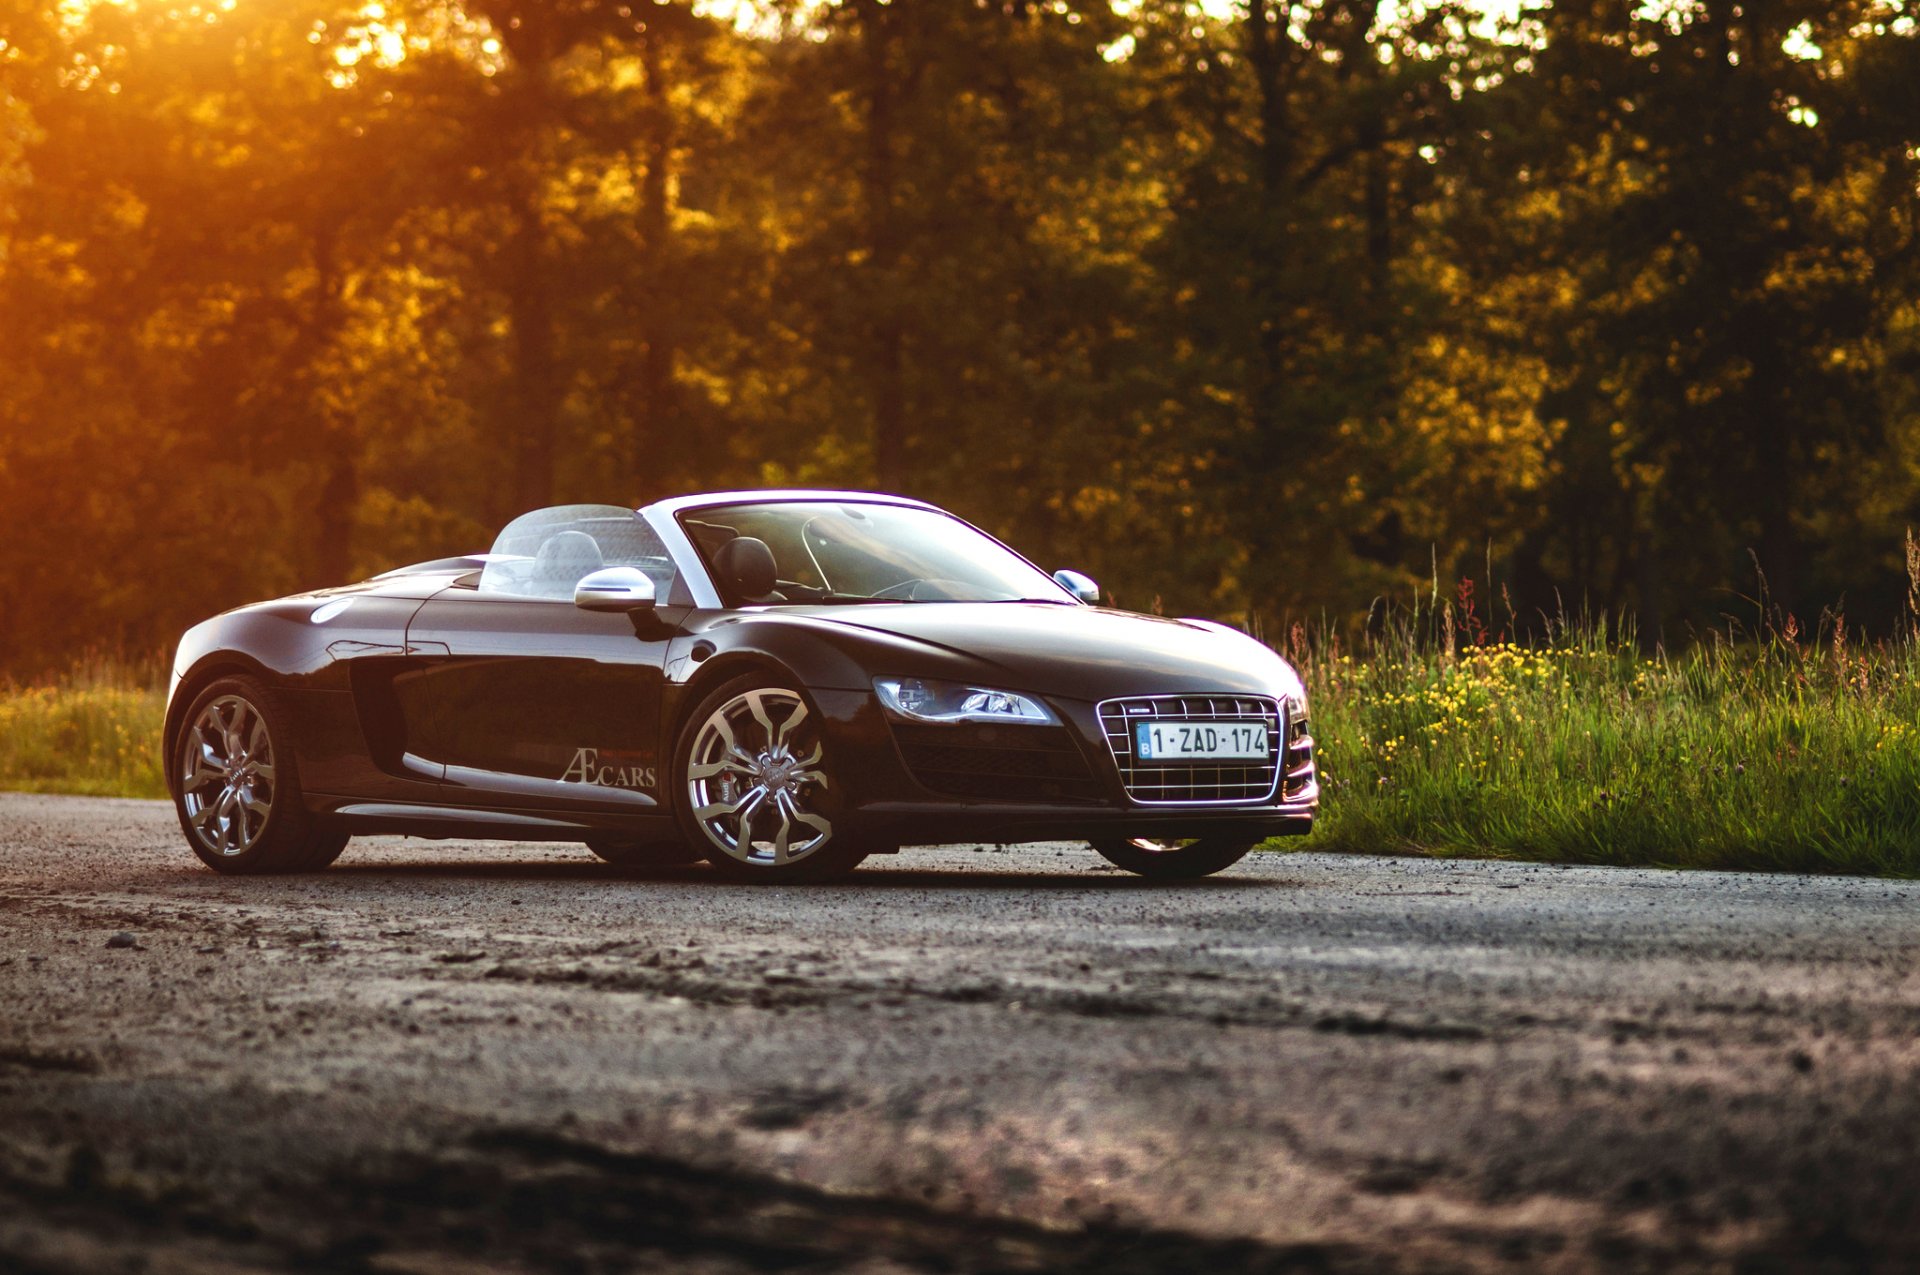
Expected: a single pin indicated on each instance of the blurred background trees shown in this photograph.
(1250, 309)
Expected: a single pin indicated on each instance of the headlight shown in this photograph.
(923, 700)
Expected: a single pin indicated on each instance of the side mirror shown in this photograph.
(614, 589)
(1079, 586)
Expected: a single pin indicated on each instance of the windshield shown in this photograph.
(830, 552)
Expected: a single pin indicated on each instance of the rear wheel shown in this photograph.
(631, 852)
(1175, 860)
(237, 786)
(757, 793)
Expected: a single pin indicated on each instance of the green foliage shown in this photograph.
(1765, 755)
(95, 732)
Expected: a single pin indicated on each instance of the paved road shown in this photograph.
(445, 1058)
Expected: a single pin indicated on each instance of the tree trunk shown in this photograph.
(534, 40)
(340, 489)
(536, 395)
(1268, 53)
(1269, 50)
(886, 366)
(660, 454)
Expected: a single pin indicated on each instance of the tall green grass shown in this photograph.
(95, 731)
(1769, 753)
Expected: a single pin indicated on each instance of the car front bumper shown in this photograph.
(1068, 785)
(944, 823)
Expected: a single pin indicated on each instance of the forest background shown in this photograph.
(1261, 311)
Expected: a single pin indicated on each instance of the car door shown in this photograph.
(534, 703)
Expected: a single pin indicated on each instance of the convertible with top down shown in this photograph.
(778, 682)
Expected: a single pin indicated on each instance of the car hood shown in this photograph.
(1083, 652)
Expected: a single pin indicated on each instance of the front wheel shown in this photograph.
(1176, 860)
(757, 791)
(236, 785)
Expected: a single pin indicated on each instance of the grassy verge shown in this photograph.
(1777, 755)
(96, 732)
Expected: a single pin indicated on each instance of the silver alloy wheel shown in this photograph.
(226, 780)
(753, 775)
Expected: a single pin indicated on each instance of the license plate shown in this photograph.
(1200, 741)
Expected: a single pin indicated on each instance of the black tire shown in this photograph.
(240, 807)
(1176, 860)
(632, 852)
(328, 842)
(816, 798)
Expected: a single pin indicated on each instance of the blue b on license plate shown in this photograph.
(1200, 741)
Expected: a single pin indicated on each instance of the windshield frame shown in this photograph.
(685, 510)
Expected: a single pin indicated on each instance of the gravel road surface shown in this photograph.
(442, 1057)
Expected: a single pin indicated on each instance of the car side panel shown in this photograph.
(531, 703)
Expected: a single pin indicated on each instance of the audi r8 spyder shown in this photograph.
(779, 682)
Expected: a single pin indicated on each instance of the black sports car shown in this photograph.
(780, 682)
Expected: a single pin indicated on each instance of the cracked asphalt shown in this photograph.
(447, 1057)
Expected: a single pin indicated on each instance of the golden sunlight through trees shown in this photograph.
(1254, 309)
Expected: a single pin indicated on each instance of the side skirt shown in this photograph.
(448, 823)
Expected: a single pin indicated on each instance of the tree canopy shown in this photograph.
(1250, 309)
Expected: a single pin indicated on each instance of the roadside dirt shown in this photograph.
(442, 1058)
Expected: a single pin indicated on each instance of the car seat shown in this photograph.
(563, 558)
(746, 568)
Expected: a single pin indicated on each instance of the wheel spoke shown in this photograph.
(778, 738)
(733, 763)
(756, 704)
(257, 740)
(225, 817)
(739, 805)
(204, 767)
(803, 767)
(782, 839)
(231, 730)
(818, 823)
(750, 805)
(720, 724)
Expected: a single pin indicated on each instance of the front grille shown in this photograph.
(1003, 763)
(1223, 782)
